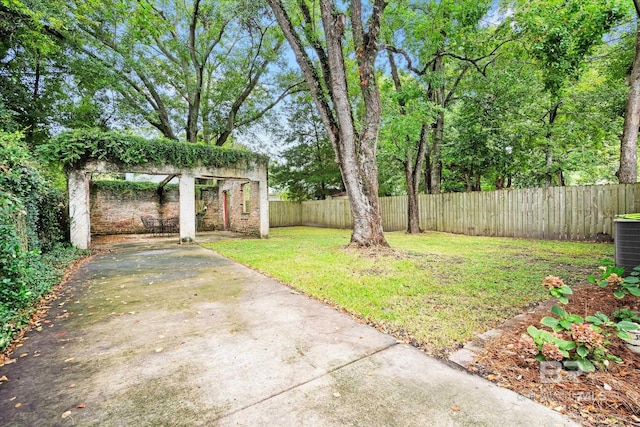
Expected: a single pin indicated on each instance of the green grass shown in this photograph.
(436, 289)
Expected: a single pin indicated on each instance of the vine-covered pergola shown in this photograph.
(84, 152)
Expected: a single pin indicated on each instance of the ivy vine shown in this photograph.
(74, 149)
(128, 187)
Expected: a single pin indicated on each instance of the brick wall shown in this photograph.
(115, 212)
(119, 212)
(241, 219)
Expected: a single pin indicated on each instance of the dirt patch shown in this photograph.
(610, 397)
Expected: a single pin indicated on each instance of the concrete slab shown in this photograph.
(398, 386)
(156, 333)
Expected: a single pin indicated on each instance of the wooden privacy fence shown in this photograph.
(564, 213)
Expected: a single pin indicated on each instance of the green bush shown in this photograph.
(32, 231)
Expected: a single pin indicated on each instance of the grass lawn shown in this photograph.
(438, 290)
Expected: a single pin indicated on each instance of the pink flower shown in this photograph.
(552, 282)
(551, 351)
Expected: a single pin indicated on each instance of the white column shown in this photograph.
(187, 208)
(263, 188)
(79, 218)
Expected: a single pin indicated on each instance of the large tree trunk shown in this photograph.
(553, 113)
(412, 166)
(437, 96)
(413, 170)
(436, 162)
(355, 152)
(628, 173)
(358, 152)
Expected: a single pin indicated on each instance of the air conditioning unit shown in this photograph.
(627, 241)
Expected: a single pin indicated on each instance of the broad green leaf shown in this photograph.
(549, 321)
(558, 311)
(627, 325)
(585, 365)
(582, 351)
(635, 291)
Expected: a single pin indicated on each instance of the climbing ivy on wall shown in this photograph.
(74, 149)
(127, 187)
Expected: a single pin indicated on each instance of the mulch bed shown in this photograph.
(606, 397)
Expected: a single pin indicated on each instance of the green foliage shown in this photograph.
(622, 286)
(540, 337)
(30, 62)
(626, 314)
(601, 320)
(209, 68)
(126, 187)
(579, 339)
(25, 278)
(32, 229)
(75, 148)
(562, 33)
(44, 205)
(309, 170)
(563, 321)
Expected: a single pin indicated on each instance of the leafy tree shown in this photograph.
(560, 35)
(309, 170)
(441, 42)
(628, 172)
(353, 136)
(31, 77)
(202, 67)
(408, 115)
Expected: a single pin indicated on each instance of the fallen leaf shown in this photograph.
(24, 354)
(18, 405)
(336, 394)
(72, 385)
(455, 408)
(69, 359)
(158, 350)
(81, 406)
(12, 399)
(4, 378)
(66, 414)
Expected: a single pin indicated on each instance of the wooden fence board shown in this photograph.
(576, 213)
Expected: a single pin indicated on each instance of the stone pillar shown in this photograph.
(263, 189)
(187, 208)
(79, 218)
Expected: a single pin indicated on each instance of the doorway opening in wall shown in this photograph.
(225, 210)
(207, 194)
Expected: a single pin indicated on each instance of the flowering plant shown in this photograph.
(613, 276)
(557, 288)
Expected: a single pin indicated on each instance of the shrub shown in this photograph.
(582, 341)
(32, 231)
